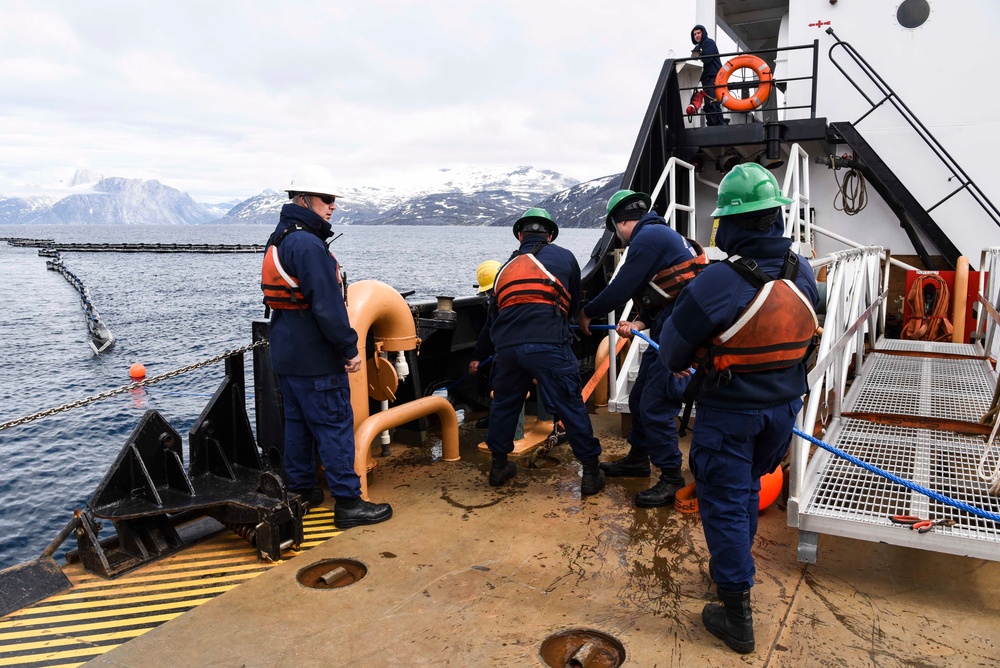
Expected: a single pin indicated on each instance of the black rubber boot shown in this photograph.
(632, 465)
(355, 512)
(593, 479)
(663, 492)
(732, 621)
(501, 471)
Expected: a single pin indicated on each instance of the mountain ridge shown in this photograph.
(471, 196)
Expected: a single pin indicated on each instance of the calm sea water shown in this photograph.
(166, 311)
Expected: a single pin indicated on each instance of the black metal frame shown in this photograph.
(925, 135)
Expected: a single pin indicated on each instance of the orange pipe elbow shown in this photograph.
(365, 433)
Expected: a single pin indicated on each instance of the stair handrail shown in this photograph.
(798, 227)
(618, 384)
(988, 299)
(857, 286)
(670, 215)
(890, 96)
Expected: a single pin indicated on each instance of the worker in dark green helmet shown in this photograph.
(659, 263)
(535, 294)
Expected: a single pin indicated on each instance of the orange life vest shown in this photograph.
(774, 331)
(525, 280)
(281, 289)
(668, 283)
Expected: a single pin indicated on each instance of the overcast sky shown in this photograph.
(225, 99)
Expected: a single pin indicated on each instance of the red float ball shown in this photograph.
(770, 487)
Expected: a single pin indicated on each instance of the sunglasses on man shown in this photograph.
(326, 199)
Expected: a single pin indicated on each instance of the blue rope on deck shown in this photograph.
(899, 481)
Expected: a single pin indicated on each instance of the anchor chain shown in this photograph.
(132, 386)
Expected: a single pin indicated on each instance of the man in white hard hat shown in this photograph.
(313, 348)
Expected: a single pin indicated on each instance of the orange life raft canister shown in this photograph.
(763, 87)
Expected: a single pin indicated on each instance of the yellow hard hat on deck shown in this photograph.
(486, 274)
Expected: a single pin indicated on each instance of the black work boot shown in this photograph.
(732, 621)
(593, 479)
(633, 465)
(501, 471)
(311, 498)
(663, 492)
(355, 512)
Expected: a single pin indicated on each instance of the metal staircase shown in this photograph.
(911, 213)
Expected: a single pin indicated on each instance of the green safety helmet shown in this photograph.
(536, 220)
(630, 199)
(746, 188)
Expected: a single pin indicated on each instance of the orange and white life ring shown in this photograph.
(763, 87)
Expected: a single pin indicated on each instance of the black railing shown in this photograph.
(888, 95)
(770, 57)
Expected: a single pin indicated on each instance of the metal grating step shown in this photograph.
(928, 347)
(958, 389)
(942, 461)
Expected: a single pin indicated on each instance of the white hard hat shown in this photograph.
(314, 179)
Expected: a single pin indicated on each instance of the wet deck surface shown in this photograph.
(469, 575)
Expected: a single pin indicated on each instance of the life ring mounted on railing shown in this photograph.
(759, 97)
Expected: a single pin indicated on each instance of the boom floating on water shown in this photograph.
(101, 338)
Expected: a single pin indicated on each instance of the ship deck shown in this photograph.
(465, 574)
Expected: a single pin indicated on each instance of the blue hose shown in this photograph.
(899, 481)
(636, 332)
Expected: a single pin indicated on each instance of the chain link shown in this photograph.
(132, 386)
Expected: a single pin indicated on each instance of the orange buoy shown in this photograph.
(770, 487)
(749, 62)
(686, 500)
(137, 372)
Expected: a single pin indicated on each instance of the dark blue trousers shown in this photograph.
(730, 451)
(712, 109)
(653, 403)
(558, 374)
(319, 408)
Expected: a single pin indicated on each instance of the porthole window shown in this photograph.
(913, 13)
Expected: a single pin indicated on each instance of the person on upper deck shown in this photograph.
(659, 263)
(705, 47)
(313, 347)
(747, 323)
(536, 292)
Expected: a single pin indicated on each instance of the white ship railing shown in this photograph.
(857, 284)
(798, 220)
(620, 384)
(989, 297)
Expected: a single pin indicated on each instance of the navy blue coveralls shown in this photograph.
(309, 350)
(709, 69)
(533, 342)
(655, 399)
(743, 427)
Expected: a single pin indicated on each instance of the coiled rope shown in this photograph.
(929, 292)
(972, 510)
(852, 194)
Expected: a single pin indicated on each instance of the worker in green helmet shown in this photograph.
(659, 263)
(748, 333)
(536, 293)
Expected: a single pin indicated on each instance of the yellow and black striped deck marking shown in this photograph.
(97, 615)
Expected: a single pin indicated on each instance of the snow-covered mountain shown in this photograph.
(447, 197)
(90, 199)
